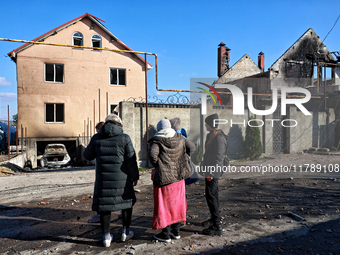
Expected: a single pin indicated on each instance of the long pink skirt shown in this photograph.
(169, 205)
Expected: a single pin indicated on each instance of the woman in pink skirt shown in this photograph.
(169, 153)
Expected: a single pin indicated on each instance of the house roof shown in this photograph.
(71, 22)
(245, 56)
(308, 32)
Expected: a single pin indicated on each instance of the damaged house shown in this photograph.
(307, 64)
(63, 92)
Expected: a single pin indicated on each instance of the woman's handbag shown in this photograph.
(194, 176)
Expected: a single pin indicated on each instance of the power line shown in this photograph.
(331, 28)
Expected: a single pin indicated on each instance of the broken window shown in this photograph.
(117, 76)
(54, 112)
(96, 41)
(54, 72)
(78, 39)
(293, 70)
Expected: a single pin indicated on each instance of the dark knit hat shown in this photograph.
(163, 124)
(210, 120)
(175, 122)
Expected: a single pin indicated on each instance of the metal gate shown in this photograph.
(277, 131)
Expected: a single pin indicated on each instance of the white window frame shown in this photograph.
(96, 39)
(55, 113)
(82, 39)
(55, 73)
(117, 76)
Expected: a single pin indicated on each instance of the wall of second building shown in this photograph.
(86, 91)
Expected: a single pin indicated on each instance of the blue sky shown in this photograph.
(184, 34)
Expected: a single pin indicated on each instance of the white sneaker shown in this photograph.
(127, 237)
(107, 242)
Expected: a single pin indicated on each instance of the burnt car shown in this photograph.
(55, 156)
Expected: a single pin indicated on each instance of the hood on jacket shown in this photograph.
(166, 133)
(110, 130)
(169, 142)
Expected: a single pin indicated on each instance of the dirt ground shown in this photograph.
(293, 212)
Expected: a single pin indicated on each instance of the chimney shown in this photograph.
(261, 61)
(223, 59)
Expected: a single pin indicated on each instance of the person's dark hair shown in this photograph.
(115, 123)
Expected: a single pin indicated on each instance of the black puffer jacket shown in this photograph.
(215, 151)
(116, 168)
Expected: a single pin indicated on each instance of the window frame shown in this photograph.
(125, 80)
(82, 40)
(98, 40)
(54, 113)
(54, 72)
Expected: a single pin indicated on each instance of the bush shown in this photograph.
(196, 157)
(252, 147)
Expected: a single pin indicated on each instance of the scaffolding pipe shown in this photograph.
(94, 116)
(26, 138)
(90, 128)
(9, 136)
(16, 138)
(107, 103)
(22, 139)
(87, 131)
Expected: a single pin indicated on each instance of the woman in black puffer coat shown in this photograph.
(116, 174)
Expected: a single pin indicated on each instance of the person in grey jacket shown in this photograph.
(116, 174)
(215, 152)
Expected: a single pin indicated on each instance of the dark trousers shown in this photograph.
(175, 227)
(105, 219)
(211, 195)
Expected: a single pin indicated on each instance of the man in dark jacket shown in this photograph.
(215, 152)
(116, 174)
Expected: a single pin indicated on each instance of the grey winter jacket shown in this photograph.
(116, 169)
(215, 152)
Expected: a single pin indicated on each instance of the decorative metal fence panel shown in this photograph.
(277, 132)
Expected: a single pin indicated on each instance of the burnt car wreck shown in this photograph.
(55, 155)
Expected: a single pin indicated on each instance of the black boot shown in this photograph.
(207, 223)
(213, 231)
(164, 236)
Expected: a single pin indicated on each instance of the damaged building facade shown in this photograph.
(307, 64)
(63, 92)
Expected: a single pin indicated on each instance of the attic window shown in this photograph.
(96, 41)
(78, 39)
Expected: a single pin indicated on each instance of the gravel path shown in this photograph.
(45, 212)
